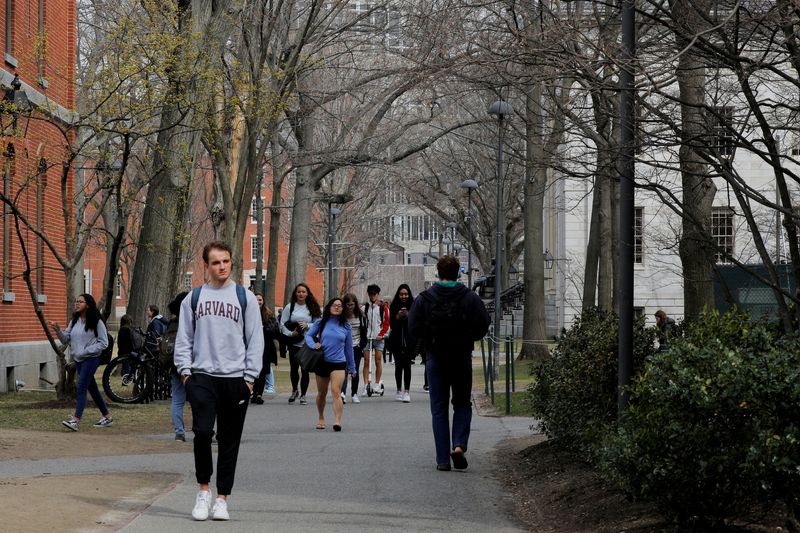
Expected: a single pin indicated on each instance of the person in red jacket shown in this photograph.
(377, 317)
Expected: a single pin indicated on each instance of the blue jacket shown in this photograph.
(336, 341)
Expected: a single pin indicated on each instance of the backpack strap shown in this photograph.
(242, 295)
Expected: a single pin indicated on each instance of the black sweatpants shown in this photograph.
(297, 374)
(402, 367)
(225, 401)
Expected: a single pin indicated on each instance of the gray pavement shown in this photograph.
(378, 474)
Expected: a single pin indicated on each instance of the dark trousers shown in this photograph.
(358, 355)
(402, 367)
(447, 375)
(297, 374)
(225, 401)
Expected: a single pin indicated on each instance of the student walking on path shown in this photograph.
(266, 378)
(167, 344)
(296, 318)
(87, 337)
(358, 329)
(377, 315)
(334, 336)
(218, 353)
(449, 318)
(402, 346)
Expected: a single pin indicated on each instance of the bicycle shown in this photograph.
(137, 377)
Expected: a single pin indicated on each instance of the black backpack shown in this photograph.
(105, 355)
(445, 322)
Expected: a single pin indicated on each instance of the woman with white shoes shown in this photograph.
(87, 338)
(358, 327)
(402, 345)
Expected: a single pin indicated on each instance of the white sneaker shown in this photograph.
(344, 399)
(201, 505)
(270, 393)
(354, 398)
(407, 397)
(220, 510)
(399, 396)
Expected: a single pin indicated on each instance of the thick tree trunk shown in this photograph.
(301, 211)
(696, 252)
(590, 270)
(533, 322)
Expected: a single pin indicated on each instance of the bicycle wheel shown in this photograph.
(127, 380)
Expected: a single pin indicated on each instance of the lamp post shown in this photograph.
(333, 212)
(499, 109)
(470, 185)
(260, 281)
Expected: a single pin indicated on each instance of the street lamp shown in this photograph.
(333, 212)
(500, 109)
(470, 185)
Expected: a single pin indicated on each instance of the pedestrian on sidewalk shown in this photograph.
(358, 330)
(402, 346)
(377, 315)
(449, 318)
(334, 336)
(297, 317)
(265, 383)
(167, 350)
(87, 337)
(218, 352)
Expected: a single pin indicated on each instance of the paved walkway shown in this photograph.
(378, 474)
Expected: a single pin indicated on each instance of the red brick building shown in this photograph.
(32, 148)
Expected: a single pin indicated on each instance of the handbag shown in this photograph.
(309, 358)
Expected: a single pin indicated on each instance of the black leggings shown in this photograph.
(402, 367)
(296, 374)
(358, 354)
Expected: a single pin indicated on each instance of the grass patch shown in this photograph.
(40, 410)
(520, 404)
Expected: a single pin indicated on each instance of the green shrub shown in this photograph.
(574, 392)
(713, 425)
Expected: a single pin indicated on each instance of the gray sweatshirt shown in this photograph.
(300, 314)
(83, 343)
(211, 342)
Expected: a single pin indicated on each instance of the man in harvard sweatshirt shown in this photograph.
(218, 354)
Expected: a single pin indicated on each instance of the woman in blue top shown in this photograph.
(87, 337)
(332, 333)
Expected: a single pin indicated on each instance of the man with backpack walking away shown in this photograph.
(218, 354)
(449, 318)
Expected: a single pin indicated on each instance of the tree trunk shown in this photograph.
(697, 255)
(592, 249)
(301, 211)
(533, 322)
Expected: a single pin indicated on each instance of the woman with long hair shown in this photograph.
(334, 336)
(87, 337)
(358, 327)
(401, 343)
(297, 317)
(266, 378)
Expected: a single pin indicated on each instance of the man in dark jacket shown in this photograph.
(449, 318)
(664, 325)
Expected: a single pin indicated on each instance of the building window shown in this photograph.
(722, 233)
(87, 280)
(41, 182)
(41, 40)
(638, 235)
(187, 281)
(254, 210)
(9, 28)
(253, 249)
(721, 129)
